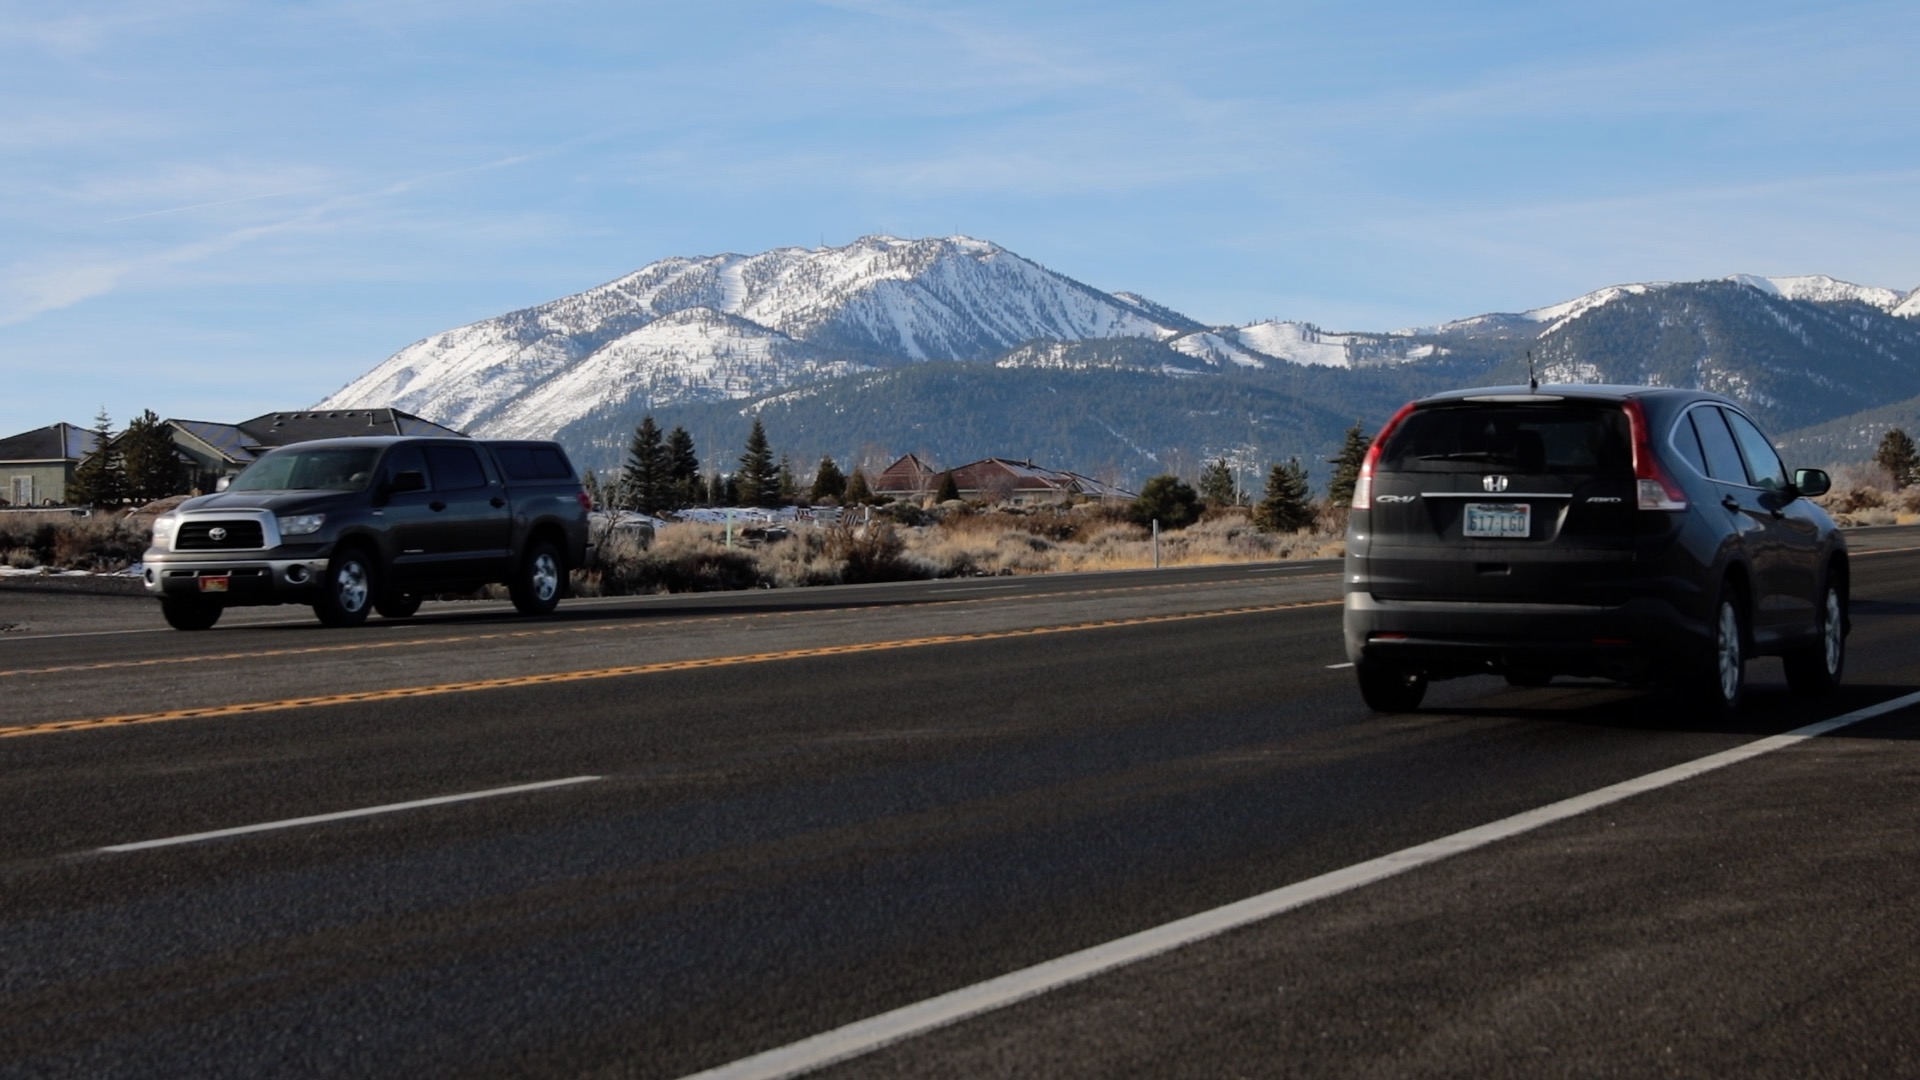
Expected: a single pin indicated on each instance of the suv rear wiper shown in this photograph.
(1470, 455)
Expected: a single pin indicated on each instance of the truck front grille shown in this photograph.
(219, 535)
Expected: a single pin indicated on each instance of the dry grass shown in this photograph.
(1865, 495)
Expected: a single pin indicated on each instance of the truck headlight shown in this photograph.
(163, 527)
(300, 524)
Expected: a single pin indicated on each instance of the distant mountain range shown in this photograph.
(957, 348)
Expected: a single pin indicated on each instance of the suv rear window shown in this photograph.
(1562, 437)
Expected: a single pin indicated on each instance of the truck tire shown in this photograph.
(538, 581)
(189, 614)
(1387, 689)
(347, 592)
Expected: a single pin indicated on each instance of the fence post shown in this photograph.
(1156, 543)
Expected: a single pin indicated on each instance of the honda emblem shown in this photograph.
(1494, 483)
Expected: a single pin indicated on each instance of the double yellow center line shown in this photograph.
(625, 671)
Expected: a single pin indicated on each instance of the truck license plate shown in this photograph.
(1501, 520)
(214, 584)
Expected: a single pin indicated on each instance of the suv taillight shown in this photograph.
(586, 500)
(1363, 484)
(1656, 487)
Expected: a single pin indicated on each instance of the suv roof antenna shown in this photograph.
(1533, 384)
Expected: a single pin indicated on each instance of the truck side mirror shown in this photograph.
(1812, 483)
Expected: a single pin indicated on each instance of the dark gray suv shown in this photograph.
(1627, 532)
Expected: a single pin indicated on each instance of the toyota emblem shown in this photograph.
(1494, 483)
(217, 534)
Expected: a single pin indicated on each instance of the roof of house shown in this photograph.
(911, 475)
(55, 442)
(905, 475)
(243, 442)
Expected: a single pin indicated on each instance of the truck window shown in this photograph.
(455, 468)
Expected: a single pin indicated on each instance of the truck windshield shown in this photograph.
(338, 469)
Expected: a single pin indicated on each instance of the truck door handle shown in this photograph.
(437, 505)
(498, 502)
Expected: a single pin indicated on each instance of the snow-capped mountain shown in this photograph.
(733, 326)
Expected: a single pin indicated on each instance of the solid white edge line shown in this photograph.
(1337, 667)
(868, 1035)
(343, 815)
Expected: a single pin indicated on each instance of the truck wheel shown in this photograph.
(536, 585)
(1815, 669)
(1388, 690)
(346, 594)
(189, 614)
(397, 605)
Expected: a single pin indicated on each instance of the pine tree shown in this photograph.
(829, 483)
(1346, 466)
(153, 468)
(1169, 500)
(643, 482)
(683, 470)
(758, 481)
(1216, 483)
(789, 484)
(858, 490)
(101, 479)
(1286, 505)
(1898, 456)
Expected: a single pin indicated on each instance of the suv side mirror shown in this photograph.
(1811, 483)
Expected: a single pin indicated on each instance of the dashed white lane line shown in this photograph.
(868, 1035)
(344, 815)
(1337, 667)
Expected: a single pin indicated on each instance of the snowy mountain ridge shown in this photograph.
(729, 327)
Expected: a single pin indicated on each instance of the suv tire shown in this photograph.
(347, 592)
(1720, 681)
(537, 584)
(1815, 669)
(1387, 689)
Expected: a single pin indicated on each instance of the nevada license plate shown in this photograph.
(1501, 520)
(213, 584)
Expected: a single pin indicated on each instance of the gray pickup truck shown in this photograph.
(367, 524)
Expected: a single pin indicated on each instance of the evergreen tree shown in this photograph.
(717, 491)
(101, 479)
(858, 490)
(1898, 456)
(758, 481)
(152, 464)
(643, 482)
(949, 490)
(789, 484)
(1216, 483)
(1346, 466)
(1169, 500)
(683, 470)
(1286, 505)
(829, 483)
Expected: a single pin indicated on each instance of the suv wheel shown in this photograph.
(346, 594)
(1388, 690)
(397, 605)
(1815, 669)
(1721, 680)
(535, 587)
(189, 614)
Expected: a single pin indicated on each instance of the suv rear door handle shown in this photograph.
(1730, 503)
(436, 505)
(498, 502)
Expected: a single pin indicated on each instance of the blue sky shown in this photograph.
(216, 209)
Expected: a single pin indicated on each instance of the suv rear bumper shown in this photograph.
(1640, 639)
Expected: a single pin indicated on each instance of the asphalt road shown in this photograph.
(732, 823)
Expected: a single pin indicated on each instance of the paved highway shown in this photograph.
(1126, 824)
